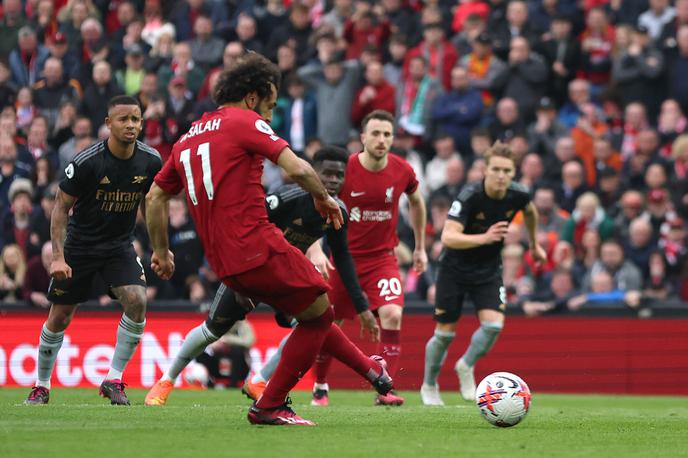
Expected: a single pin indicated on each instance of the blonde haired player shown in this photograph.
(471, 266)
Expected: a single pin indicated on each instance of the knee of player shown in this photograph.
(446, 327)
(219, 326)
(392, 320)
(492, 327)
(135, 305)
(58, 323)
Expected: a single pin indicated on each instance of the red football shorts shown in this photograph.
(380, 281)
(287, 281)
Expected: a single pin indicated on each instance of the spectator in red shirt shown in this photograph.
(597, 43)
(364, 28)
(467, 8)
(44, 21)
(15, 225)
(37, 279)
(439, 54)
(376, 94)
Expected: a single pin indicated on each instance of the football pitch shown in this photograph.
(77, 423)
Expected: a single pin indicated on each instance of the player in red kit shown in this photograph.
(219, 163)
(375, 180)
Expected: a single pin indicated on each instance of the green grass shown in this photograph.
(78, 423)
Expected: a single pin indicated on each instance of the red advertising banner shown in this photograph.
(553, 354)
(89, 344)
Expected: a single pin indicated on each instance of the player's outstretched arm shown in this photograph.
(453, 236)
(157, 208)
(531, 219)
(303, 174)
(317, 256)
(418, 222)
(59, 269)
(337, 240)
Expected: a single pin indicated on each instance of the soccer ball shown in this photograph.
(503, 399)
(197, 375)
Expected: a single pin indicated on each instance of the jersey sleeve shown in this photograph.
(155, 166)
(168, 179)
(257, 137)
(276, 207)
(412, 181)
(282, 203)
(79, 178)
(461, 207)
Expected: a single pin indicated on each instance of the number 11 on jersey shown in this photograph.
(185, 158)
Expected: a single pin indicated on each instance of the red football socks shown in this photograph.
(298, 355)
(322, 366)
(390, 349)
(340, 347)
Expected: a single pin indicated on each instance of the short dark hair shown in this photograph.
(381, 115)
(481, 132)
(499, 149)
(331, 153)
(399, 38)
(292, 79)
(612, 241)
(440, 201)
(545, 187)
(251, 72)
(122, 100)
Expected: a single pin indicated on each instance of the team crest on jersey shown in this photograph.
(138, 179)
(298, 222)
(273, 202)
(455, 209)
(480, 215)
(389, 194)
(59, 292)
(69, 171)
(509, 213)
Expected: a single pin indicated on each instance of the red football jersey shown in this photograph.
(373, 202)
(219, 162)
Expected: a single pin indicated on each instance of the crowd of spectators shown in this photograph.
(591, 96)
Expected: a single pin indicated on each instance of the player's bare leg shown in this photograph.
(129, 333)
(390, 347)
(49, 346)
(491, 324)
(435, 355)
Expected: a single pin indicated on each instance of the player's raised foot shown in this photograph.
(253, 390)
(431, 395)
(383, 384)
(466, 380)
(38, 395)
(114, 391)
(389, 399)
(276, 416)
(320, 396)
(157, 396)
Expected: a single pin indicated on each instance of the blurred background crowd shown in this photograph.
(591, 95)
